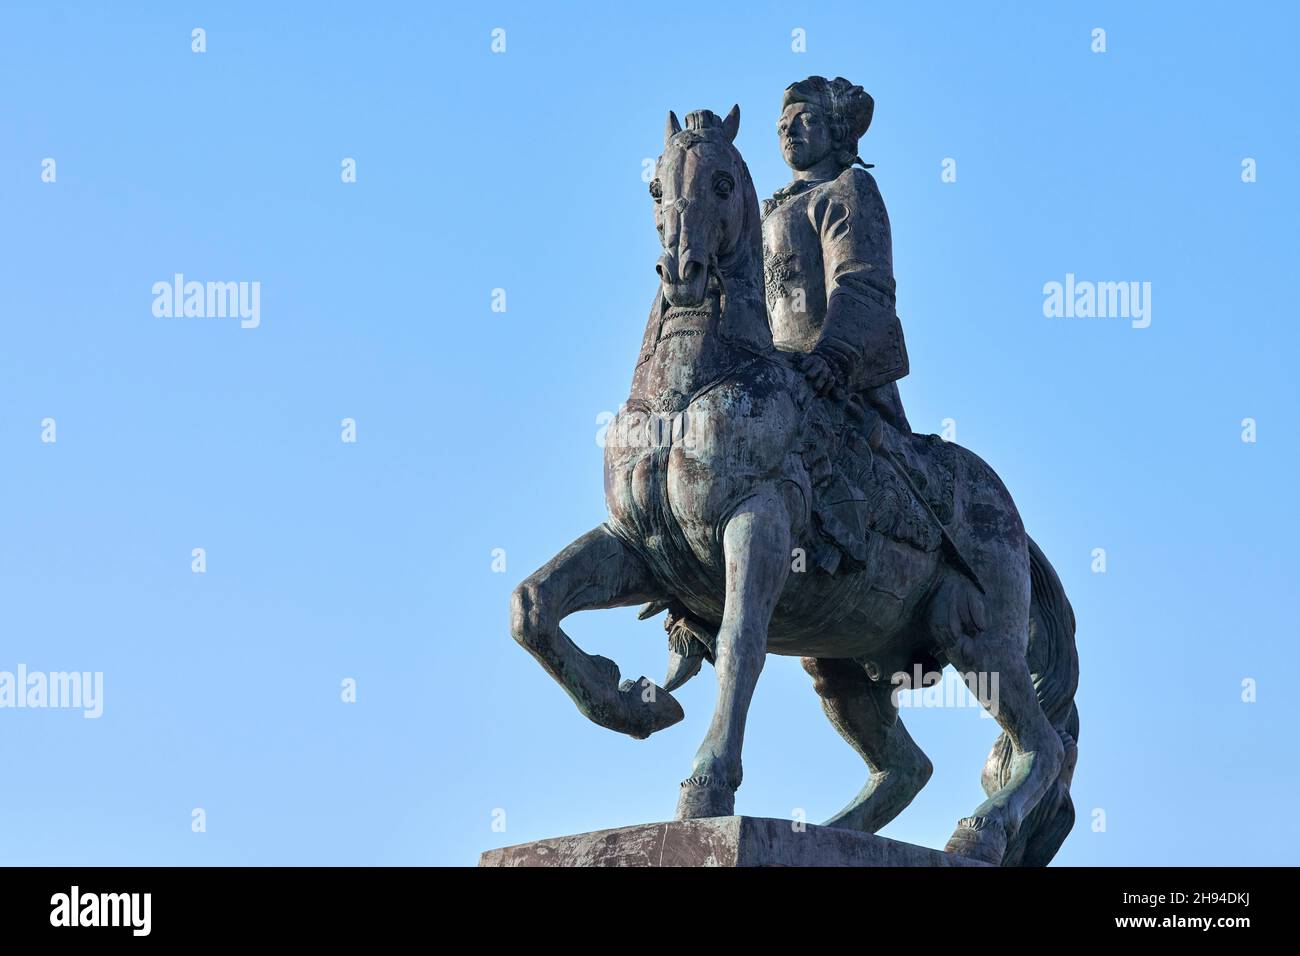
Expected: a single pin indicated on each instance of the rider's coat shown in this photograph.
(829, 279)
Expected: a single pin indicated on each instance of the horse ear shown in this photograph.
(731, 125)
(672, 128)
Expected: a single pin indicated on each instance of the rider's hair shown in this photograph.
(848, 108)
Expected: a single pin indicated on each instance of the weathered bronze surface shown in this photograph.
(765, 489)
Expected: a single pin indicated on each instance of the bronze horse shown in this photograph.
(716, 483)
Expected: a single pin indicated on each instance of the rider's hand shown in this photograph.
(819, 373)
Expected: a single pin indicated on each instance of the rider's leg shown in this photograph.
(887, 402)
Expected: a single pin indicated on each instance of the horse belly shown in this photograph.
(854, 614)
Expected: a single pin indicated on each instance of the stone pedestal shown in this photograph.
(721, 841)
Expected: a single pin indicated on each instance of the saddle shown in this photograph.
(868, 479)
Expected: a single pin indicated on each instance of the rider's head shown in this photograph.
(823, 118)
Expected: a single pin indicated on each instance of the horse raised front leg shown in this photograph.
(595, 571)
(756, 546)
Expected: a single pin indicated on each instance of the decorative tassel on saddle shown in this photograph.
(690, 641)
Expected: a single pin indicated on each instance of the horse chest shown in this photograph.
(644, 453)
(686, 359)
(672, 480)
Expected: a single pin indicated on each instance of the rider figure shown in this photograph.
(828, 260)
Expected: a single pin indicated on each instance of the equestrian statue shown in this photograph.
(765, 490)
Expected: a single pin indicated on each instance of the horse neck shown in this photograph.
(686, 350)
(743, 278)
(744, 322)
(736, 331)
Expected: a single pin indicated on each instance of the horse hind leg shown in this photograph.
(995, 661)
(1031, 654)
(1052, 818)
(595, 571)
(866, 716)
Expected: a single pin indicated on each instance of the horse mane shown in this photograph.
(751, 239)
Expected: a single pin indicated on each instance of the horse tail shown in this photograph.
(1053, 659)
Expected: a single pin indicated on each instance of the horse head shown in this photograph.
(705, 207)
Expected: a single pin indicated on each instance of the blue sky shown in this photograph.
(476, 429)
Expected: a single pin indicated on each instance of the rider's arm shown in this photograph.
(861, 337)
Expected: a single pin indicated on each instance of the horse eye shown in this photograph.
(722, 185)
(656, 190)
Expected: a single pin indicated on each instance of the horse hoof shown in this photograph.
(701, 798)
(637, 708)
(641, 708)
(978, 838)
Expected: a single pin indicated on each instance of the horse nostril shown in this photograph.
(664, 268)
(690, 269)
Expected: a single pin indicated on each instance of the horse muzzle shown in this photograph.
(685, 279)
